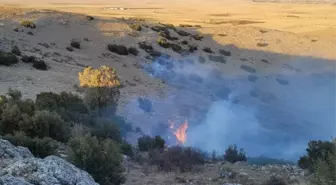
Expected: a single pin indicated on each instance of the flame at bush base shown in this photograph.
(180, 132)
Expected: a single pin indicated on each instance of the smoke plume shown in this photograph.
(273, 115)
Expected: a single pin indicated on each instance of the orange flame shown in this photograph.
(180, 132)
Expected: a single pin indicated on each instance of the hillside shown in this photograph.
(259, 75)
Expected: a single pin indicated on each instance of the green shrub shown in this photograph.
(105, 129)
(197, 37)
(177, 48)
(163, 43)
(232, 154)
(207, 49)
(8, 59)
(10, 119)
(127, 149)
(49, 124)
(14, 94)
(158, 142)
(69, 106)
(145, 143)
(317, 150)
(102, 100)
(135, 27)
(28, 24)
(40, 147)
(325, 170)
(101, 159)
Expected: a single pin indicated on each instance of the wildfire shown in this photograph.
(180, 132)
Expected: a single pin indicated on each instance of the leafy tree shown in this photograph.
(145, 143)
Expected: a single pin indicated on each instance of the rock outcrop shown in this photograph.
(19, 167)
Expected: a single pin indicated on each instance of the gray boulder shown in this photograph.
(19, 167)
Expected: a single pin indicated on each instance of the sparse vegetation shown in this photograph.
(185, 25)
(262, 44)
(135, 27)
(276, 181)
(163, 43)
(232, 154)
(185, 42)
(119, 49)
(28, 24)
(8, 59)
(247, 68)
(28, 59)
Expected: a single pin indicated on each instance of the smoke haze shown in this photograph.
(274, 116)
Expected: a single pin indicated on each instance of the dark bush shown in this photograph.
(8, 59)
(127, 149)
(207, 49)
(101, 159)
(176, 48)
(160, 28)
(183, 33)
(75, 44)
(16, 51)
(28, 59)
(145, 46)
(28, 24)
(145, 104)
(155, 53)
(69, 106)
(158, 142)
(163, 43)
(104, 128)
(325, 169)
(119, 49)
(247, 68)
(178, 157)
(185, 42)
(192, 48)
(224, 52)
(69, 48)
(197, 37)
(40, 65)
(135, 27)
(134, 51)
(145, 143)
(185, 25)
(201, 59)
(89, 18)
(48, 124)
(102, 100)
(14, 94)
(317, 150)
(40, 147)
(232, 154)
(30, 33)
(166, 34)
(217, 58)
(262, 44)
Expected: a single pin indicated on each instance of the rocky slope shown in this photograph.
(19, 167)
